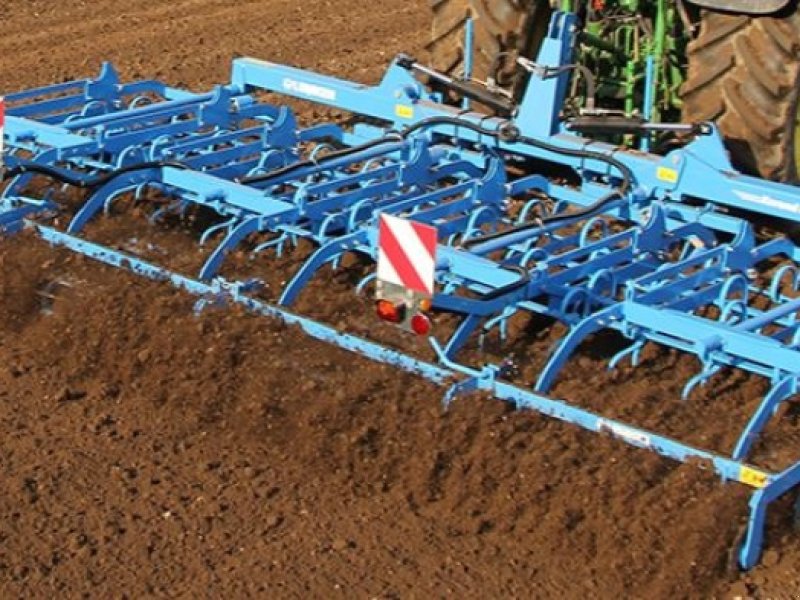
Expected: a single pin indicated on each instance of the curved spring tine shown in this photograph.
(87, 110)
(322, 233)
(140, 101)
(368, 166)
(140, 191)
(365, 282)
(372, 163)
(523, 215)
(473, 223)
(103, 197)
(587, 228)
(72, 118)
(634, 351)
(323, 255)
(687, 250)
(110, 201)
(459, 337)
(352, 220)
(778, 278)
(317, 149)
(276, 243)
(598, 278)
(727, 292)
(236, 233)
(733, 311)
(534, 254)
(575, 301)
(598, 253)
(156, 146)
(181, 205)
(299, 197)
(700, 379)
(184, 207)
(779, 392)
(577, 334)
(509, 255)
(500, 321)
(265, 158)
(560, 207)
(214, 229)
(158, 213)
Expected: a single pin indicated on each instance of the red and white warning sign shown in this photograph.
(407, 254)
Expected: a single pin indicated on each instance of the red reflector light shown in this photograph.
(391, 312)
(420, 324)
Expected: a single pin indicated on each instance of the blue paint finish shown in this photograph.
(647, 266)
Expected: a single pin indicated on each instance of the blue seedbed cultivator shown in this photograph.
(528, 215)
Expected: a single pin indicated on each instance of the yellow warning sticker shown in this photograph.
(753, 477)
(667, 174)
(403, 111)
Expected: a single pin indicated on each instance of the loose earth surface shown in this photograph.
(148, 451)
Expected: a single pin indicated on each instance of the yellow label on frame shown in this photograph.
(403, 111)
(753, 477)
(667, 174)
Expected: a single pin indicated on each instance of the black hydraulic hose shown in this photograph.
(585, 212)
(510, 133)
(507, 132)
(524, 279)
(69, 178)
(391, 137)
(625, 171)
(588, 78)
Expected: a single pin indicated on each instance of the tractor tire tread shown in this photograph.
(499, 26)
(744, 73)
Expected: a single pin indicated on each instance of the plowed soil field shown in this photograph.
(148, 451)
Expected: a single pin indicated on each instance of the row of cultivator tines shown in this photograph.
(479, 217)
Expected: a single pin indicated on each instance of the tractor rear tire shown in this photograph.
(501, 26)
(744, 74)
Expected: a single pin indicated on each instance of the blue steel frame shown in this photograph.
(648, 267)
